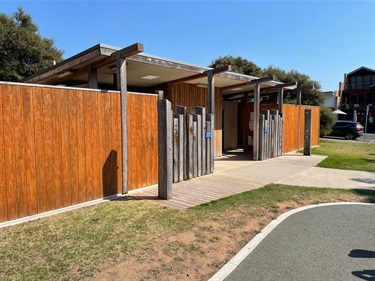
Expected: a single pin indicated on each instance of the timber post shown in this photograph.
(165, 148)
(211, 106)
(257, 83)
(121, 83)
(299, 103)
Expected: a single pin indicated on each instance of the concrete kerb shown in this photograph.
(245, 251)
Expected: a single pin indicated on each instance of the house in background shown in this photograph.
(357, 92)
(332, 99)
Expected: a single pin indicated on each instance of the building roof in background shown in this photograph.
(143, 70)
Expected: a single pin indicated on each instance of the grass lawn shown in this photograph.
(346, 155)
(139, 240)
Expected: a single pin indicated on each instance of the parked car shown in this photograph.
(350, 130)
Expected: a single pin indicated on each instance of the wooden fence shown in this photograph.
(60, 146)
(192, 146)
(290, 125)
(291, 113)
(270, 134)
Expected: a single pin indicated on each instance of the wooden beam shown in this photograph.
(219, 70)
(287, 84)
(65, 65)
(262, 80)
(129, 51)
(235, 86)
(189, 78)
(280, 94)
(201, 75)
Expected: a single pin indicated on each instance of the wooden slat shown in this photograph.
(117, 134)
(96, 168)
(87, 109)
(73, 147)
(65, 180)
(112, 151)
(147, 141)
(3, 186)
(9, 157)
(143, 140)
(39, 150)
(154, 140)
(138, 139)
(198, 120)
(102, 152)
(82, 142)
(57, 145)
(190, 150)
(130, 141)
(19, 131)
(175, 148)
(48, 149)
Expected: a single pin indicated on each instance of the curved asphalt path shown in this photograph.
(323, 242)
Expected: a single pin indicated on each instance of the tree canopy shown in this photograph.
(239, 65)
(244, 66)
(311, 97)
(23, 51)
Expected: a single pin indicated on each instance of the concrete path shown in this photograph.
(234, 173)
(323, 177)
(329, 242)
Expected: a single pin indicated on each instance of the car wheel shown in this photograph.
(349, 136)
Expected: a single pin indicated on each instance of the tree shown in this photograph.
(310, 97)
(239, 65)
(327, 119)
(23, 51)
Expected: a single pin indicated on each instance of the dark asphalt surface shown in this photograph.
(324, 243)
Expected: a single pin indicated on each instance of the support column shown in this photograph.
(93, 77)
(256, 122)
(299, 103)
(122, 87)
(165, 148)
(257, 83)
(245, 117)
(280, 95)
(211, 110)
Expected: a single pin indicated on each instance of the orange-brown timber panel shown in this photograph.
(290, 130)
(141, 129)
(3, 187)
(9, 155)
(88, 108)
(73, 146)
(291, 113)
(48, 150)
(82, 142)
(65, 179)
(29, 150)
(190, 95)
(57, 154)
(97, 169)
(49, 147)
(19, 131)
(116, 142)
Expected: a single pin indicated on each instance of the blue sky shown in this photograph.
(323, 39)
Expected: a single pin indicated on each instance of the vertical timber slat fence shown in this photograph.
(62, 146)
(184, 148)
(270, 134)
